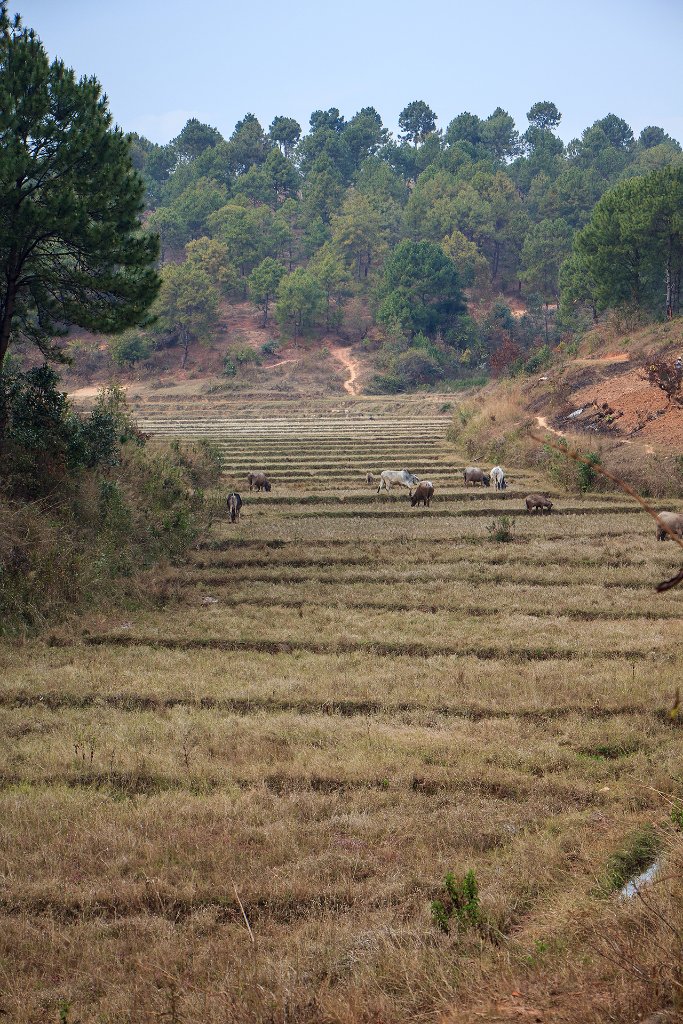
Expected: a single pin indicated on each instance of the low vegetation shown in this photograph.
(86, 504)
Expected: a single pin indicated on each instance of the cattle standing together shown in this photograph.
(670, 524)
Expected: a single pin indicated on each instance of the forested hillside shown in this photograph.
(439, 251)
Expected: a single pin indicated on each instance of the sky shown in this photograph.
(163, 61)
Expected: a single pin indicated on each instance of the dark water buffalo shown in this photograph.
(234, 506)
(537, 502)
(674, 520)
(473, 475)
(258, 482)
(424, 492)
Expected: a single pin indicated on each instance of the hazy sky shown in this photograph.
(162, 62)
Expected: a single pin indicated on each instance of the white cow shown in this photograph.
(674, 520)
(498, 477)
(402, 477)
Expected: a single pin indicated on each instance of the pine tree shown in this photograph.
(71, 248)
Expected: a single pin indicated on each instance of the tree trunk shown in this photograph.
(185, 339)
(496, 259)
(6, 324)
(669, 289)
(265, 311)
(5, 329)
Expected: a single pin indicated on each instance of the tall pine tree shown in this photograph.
(71, 248)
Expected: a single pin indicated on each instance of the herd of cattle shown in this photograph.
(421, 495)
(670, 523)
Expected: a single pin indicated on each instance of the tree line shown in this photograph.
(322, 229)
(342, 228)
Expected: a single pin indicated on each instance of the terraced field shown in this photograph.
(239, 807)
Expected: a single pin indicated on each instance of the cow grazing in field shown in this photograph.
(258, 482)
(674, 520)
(424, 492)
(402, 477)
(370, 477)
(538, 502)
(473, 475)
(234, 506)
(498, 477)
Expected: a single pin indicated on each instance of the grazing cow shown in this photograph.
(498, 477)
(674, 520)
(234, 506)
(258, 482)
(370, 478)
(402, 477)
(424, 492)
(534, 502)
(473, 475)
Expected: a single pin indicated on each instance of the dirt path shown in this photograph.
(282, 362)
(543, 422)
(344, 356)
(619, 357)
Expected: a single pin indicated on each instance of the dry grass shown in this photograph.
(379, 695)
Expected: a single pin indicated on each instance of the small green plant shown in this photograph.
(446, 407)
(63, 1009)
(502, 529)
(460, 901)
(585, 471)
(676, 816)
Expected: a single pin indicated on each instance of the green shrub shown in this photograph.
(238, 356)
(585, 472)
(568, 472)
(128, 349)
(502, 529)
(243, 355)
(460, 901)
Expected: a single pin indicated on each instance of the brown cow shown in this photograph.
(534, 502)
(424, 492)
(258, 481)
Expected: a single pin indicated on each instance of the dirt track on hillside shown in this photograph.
(350, 364)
